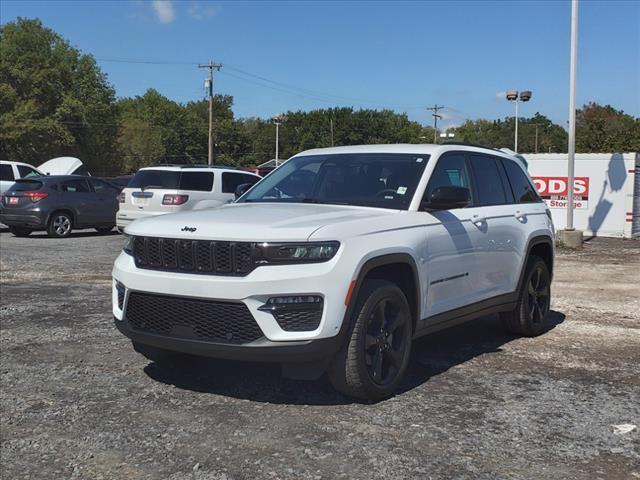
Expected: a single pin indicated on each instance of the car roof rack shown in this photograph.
(194, 165)
(467, 144)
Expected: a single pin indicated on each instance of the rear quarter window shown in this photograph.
(523, 189)
(196, 181)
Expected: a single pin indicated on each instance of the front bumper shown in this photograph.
(327, 280)
(262, 350)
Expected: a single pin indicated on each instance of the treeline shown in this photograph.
(56, 101)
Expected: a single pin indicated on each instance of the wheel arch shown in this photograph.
(399, 268)
(541, 246)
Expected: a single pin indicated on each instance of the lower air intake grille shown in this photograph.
(180, 317)
(298, 320)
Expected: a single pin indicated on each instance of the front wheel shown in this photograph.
(531, 315)
(20, 231)
(372, 363)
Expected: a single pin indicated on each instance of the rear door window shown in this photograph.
(75, 186)
(488, 182)
(6, 172)
(231, 181)
(523, 189)
(196, 181)
(27, 172)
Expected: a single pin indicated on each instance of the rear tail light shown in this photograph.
(121, 197)
(36, 196)
(171, 199)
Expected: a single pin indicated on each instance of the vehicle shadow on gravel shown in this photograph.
(259, 382)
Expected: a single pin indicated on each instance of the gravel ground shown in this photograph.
(77, 402)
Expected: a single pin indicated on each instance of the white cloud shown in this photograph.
(164, 10)
(198, 11)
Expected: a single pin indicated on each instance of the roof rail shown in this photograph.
(467, 144)
(194, 165)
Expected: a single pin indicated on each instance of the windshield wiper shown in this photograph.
(322, 202)
(146, 187)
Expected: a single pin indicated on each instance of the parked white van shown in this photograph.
(172, 188)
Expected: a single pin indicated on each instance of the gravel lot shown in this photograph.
(77, 402)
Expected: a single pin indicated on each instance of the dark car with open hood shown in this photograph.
(59, 204)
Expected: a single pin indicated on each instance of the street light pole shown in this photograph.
(515, 142)
(572, 112)
(277, 120)
(570, 236)
(515, 97)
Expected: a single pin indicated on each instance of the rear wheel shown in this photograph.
(60, 225)
(374, 359)
(104, 230)
(20, 231)
(531, 315)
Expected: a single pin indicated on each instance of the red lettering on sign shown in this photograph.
(557, 186)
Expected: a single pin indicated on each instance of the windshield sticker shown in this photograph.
(419, 160)
(401, 190)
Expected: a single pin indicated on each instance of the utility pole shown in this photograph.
(277, 121)
(209, 84)
(435, 116)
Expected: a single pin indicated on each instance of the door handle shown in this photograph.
(478, 220)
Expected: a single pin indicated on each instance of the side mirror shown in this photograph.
(242, 189)
(448, 198)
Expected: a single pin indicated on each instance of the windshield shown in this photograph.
(386, 180)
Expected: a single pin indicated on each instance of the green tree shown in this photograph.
(605, 129)
(54, 100)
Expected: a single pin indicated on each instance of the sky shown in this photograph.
(280, 56)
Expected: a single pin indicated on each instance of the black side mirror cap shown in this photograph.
(242, 189)
(448, 198)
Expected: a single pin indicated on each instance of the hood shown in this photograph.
(60, 166)
(253, 222)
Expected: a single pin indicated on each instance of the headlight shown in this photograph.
(311, 252)
(128, 244)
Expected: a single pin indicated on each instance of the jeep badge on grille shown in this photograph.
(189, 229)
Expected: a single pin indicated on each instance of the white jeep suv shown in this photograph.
(338, 259)
(173, 188)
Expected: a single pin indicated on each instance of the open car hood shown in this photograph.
(61, 166)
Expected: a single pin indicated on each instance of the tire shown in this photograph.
(60, 225)
(104, 230)
(531, 315)
(20, 231)
(378, 345)
(162, 357)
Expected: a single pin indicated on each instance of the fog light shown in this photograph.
(294, 300)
